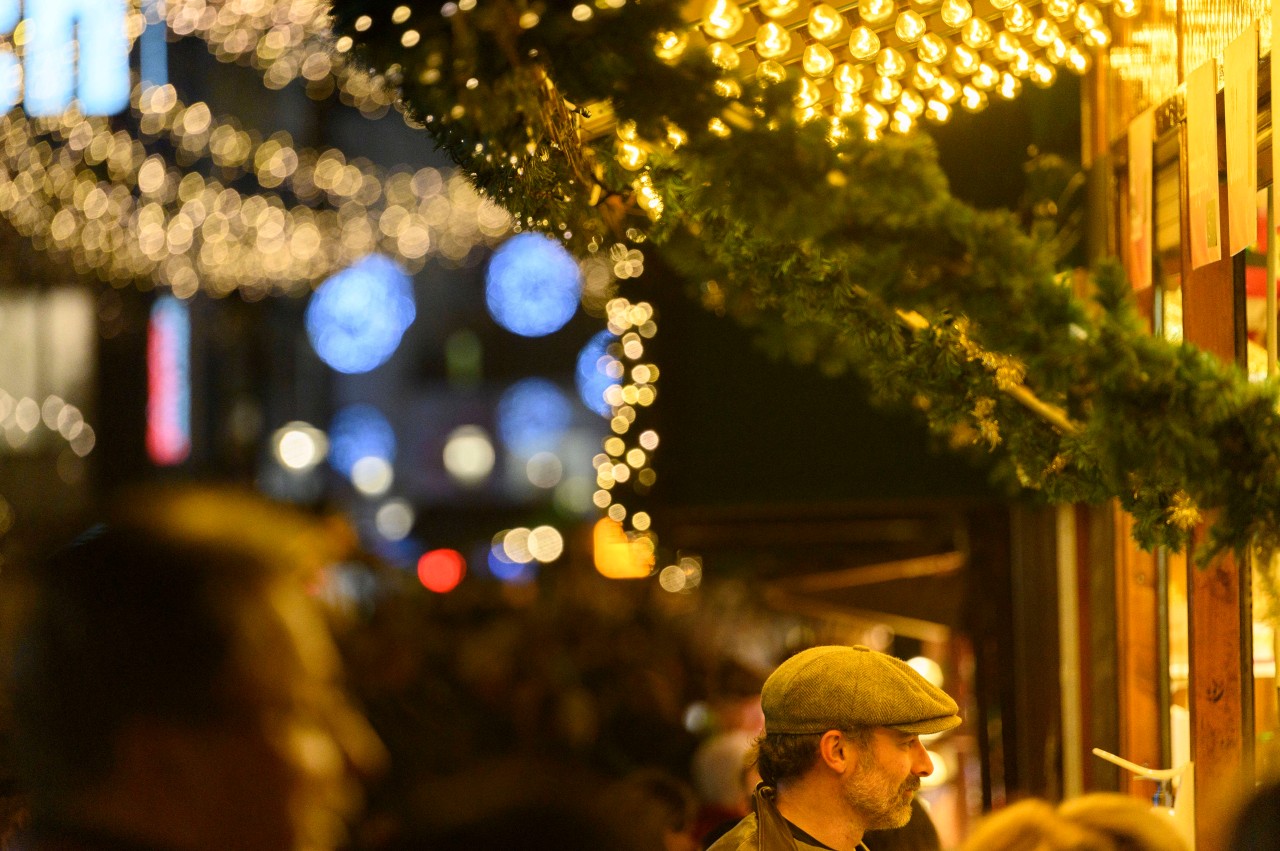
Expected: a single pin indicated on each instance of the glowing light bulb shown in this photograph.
(948, 90)
(671, 45)
(1087, 17)
(772, 41)
(911, 103)
(973, 99)
(771, 72)
(902, 122)
(779, 8)
(863, 43)
(1018, 18)
(1099, 37)
(1077, 60)
(807, 94)
(932, 48)
(1005, 46)
(817, 60)
(1056, 52)
(723, 56)
(847, 104)
(631, 156)
(910, 26)
(956, 12)
(937, 111)
(1021, 64)
(825, 22)
(1010, 86)
(886, 89)
(1045, 32)
(1061, 10)
(875, 116)
(1043, 74)
(986, 77)
(891, 63)
(876, 11)
(848, 78)
(925, 77)
(976, 33)
(725, 88)
(965, 60)
(1126, 8)
(722, 19)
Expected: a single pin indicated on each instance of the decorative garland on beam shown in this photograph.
(823, 240)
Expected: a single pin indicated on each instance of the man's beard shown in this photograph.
(881, 806)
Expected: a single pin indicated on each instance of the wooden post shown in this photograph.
(1221, 645)
(1137, 638)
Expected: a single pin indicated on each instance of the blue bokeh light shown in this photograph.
(590, 375)
(507, 570)
(359, 431)
(533, 285)
(356, 318)
(533, 415)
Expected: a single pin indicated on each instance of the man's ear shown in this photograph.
(837, 752)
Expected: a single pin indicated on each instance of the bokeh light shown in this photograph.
(544, 470)
(441, 570)
(359, 431)
(394, 519)
(469, 455)
(356, 318)
(532, 285)
(941, 772)
(533, 415)
(545, 544)
(299, 446)
(515, 545)
(927, 668)
(617, 556)
(372, 476)
(592, 374)
(503, 568)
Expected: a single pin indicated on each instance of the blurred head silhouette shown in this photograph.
(175, 686)
(1101, 821)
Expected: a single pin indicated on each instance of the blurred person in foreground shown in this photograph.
(841, 752)
(1101, 821)
(175, 689)
(1257, 827)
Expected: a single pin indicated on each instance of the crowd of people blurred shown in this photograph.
(172, 686)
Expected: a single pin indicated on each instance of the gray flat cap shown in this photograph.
(842, 688)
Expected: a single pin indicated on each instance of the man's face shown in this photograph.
(885, 778)
(287, 769)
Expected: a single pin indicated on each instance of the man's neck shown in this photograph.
(819, 811)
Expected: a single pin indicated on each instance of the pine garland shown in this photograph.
(828, 243)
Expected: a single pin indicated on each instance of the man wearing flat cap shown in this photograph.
(841, 752)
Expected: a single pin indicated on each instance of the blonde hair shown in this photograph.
(1102, 821)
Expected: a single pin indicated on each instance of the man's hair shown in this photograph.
(780, 757)
(137, 620)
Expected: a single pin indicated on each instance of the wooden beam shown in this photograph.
(1138, 653)
(908, 568)
(1221, 638)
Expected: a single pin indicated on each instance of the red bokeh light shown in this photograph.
(441, 570)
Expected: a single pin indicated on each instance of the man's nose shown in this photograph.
(921, 762)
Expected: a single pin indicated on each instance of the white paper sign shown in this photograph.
(1142, 133)
(1241, 113)
(1202, 164)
